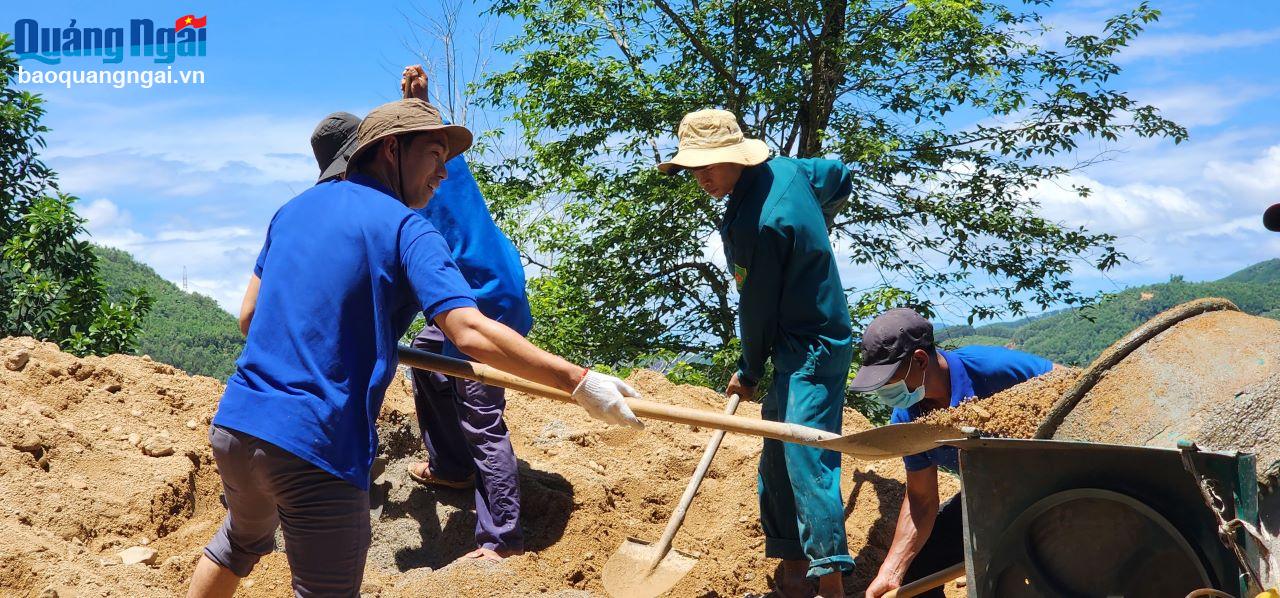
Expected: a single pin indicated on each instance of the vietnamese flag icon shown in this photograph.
(190, 21)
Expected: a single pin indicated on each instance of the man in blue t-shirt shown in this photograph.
(345, 268)
(904, 369)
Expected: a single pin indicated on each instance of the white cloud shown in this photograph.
(216, 260)
(1202, 105)
(1170, 45)
(103, 213)
(1203, 229)
(1257, 180)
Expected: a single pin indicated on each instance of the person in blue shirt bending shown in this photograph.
(467, 441)
(901, 365)
(346, 266)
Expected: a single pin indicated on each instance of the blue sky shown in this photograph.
(189, 175)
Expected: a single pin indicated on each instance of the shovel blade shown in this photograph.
(896, 440)
(630, 572)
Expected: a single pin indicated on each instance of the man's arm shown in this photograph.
(915, 523)
(249, 303)
(760, 294)
(490, 342)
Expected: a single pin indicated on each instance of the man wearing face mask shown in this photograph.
(791, 309)
(905, 371)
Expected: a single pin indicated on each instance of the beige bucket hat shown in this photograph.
(713, 137)
(406, 116)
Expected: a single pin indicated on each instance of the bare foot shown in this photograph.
(486, 554)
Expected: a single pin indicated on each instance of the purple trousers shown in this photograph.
(463, 430)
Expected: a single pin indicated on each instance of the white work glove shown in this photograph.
(602, 396)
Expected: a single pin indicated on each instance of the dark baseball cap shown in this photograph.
(888, 341)
(1271, 218)
(333, 142)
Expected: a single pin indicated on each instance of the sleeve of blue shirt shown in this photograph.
(431, 273)
(262, 255)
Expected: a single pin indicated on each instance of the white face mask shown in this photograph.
(897, 396)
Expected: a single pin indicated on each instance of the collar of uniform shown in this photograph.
(741, 191)
(747, 180)
(372, 183)
(961, 384)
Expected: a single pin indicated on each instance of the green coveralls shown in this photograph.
(792, 308)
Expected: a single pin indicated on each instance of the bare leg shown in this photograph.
(831, 585)
(792, 583)
(212, 580)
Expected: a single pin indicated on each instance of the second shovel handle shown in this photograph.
(927, 583)
(677, 516)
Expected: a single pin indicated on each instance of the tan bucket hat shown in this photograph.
(713, 137)
(406, 116)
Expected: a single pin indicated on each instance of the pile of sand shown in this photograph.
(100, 455)
(1013, 413)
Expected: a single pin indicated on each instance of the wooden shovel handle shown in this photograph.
(925, 584)
(677, 517)
(671, 413)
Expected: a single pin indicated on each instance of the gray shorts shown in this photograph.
(325, 519)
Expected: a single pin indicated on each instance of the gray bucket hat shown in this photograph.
(333, 143)
(409, 115)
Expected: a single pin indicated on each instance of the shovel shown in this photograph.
(885, 442)
(642, 570)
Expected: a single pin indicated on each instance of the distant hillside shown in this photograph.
(1076, 337)
(187, 330)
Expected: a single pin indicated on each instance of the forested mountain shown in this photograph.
(187, 330)
(1075, 337)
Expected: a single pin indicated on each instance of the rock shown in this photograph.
(191, 424)
(83, 371)
(17, 360)
(157, 447)
(134, 438)
(49, 592)
(135, 413)
(596, 467)
(78, 483)
(28, 442)
(137, 554)
(248, 583)
(114, 388)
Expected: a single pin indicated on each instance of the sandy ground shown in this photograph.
(100, 455)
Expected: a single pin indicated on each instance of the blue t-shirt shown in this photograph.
(487, 258)
(344, 270)
(976, 372)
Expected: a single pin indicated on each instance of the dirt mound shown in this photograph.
(1014, 413)
(100, 455)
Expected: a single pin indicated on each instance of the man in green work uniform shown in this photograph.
(792, 309)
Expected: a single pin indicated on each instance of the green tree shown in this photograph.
(49, 283)
(949, 113)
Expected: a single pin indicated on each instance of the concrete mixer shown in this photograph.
(1152, 476)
